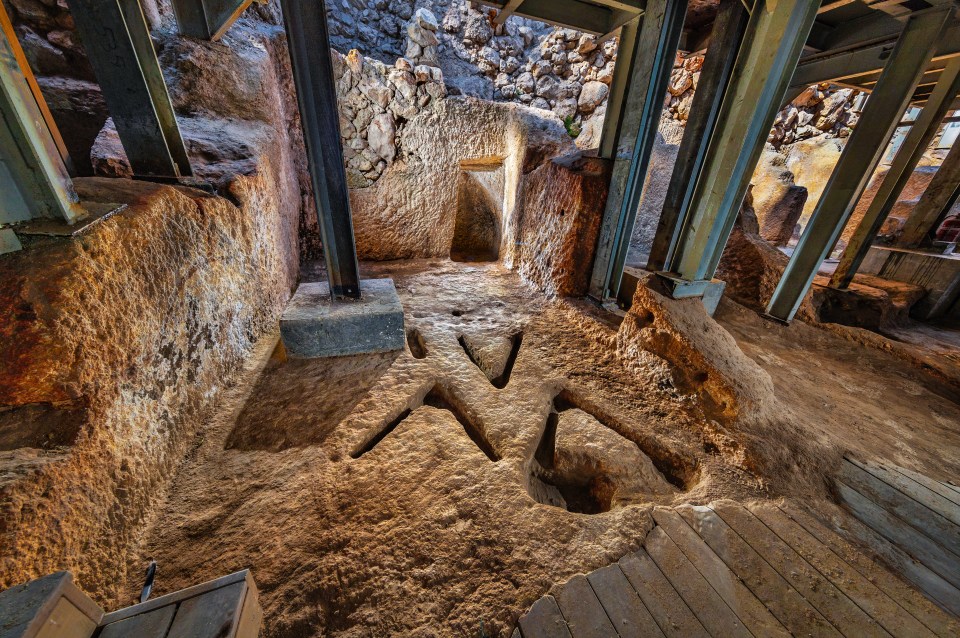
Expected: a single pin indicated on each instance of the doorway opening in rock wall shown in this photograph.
(478, 229)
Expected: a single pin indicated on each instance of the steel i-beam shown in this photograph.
(935, 203)
(908, 156)
(309, 42)
(117, 42)
(727, 35)
(33, 177)
(774, 39)
(651, 64)
(860, 157)
(207, 19)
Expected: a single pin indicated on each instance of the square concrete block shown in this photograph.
(313, 325)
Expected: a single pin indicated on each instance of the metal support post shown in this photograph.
(207, 19)
(33, 178)
(727, 35)
(117, 42)
(935, 203)
(908, 156)
(860, 157)
(308, 39)
(636, 125)
(774, 39)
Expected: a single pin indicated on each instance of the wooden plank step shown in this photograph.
(153, 624)
(831, 601)
(934, 486)
(927, 521)
(700, 597)
(744, 605)
(624, 607)
(923, 608)
(914, 490)
(544, 620)
(210, 615)
(870, 599)
(740, 555)
(673, 616)
(582, 610)
(901, 534)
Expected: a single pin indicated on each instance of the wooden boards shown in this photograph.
(769, 569)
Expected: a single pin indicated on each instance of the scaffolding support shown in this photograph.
(908, 156)
(33, 176)
(309, 42)
(727, 36)
(860, 157)
(772, 44)
(117, 42)
(631, 135)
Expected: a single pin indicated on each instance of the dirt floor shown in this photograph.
(442, 490)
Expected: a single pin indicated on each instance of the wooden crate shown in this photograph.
(228, 607)
(49, 607)
(53, 607)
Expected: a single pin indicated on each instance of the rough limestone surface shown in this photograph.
(136, 326)
(706, 361)
(129, 333)
(411, 210)
(779, 203)
(563, 203)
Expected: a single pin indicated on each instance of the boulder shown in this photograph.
(592, 95)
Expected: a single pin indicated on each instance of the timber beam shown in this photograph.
(860, 157)
(934, 205)
(630, 137)
(117, 42)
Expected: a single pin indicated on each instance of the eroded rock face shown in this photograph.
(410, 211)
(134, 327)
(563, 203)
(705, 358)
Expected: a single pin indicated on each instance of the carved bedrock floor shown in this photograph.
(443, 489)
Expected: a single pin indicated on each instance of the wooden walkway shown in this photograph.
(912, 522)
(729, 570)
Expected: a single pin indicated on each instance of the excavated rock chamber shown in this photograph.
(478, 229)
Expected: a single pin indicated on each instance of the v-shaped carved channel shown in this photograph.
(501, 380)
(441, 398)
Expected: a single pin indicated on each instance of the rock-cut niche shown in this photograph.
(478, 228)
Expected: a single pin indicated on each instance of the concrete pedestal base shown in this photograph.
(938, 273)
(313, 325)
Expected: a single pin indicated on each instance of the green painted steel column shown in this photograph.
(908, 156)
(860, 157)
(934, 204)
(117, 42)
(774, 39)
(635, 129)
(725, 41)
(33, 178)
